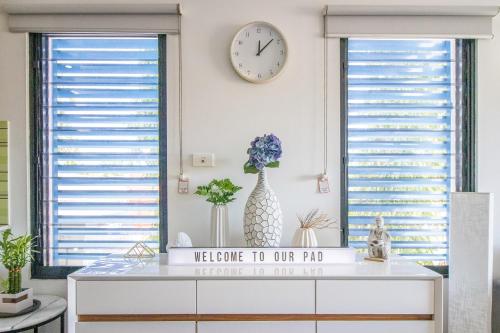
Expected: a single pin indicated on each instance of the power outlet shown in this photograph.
(204, 160)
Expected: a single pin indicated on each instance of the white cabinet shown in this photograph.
(256, 296)
(136, 327)
(135, 297)
(420, 326)
(353, 298)
(375, 297)
(257, 327)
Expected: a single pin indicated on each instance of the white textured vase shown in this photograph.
(263, 217)
(219, 226)
(305, 237)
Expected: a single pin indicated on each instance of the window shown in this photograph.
(408, 110)
(98, 123)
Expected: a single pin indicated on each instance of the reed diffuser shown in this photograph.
(314, 220)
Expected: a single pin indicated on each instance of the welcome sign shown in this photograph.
(253, 256)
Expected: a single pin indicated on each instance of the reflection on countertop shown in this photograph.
(116, 267)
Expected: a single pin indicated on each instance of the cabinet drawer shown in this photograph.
(134, 327)
(375, 297)
(256, 297)
(260, 327)
(136, 297)
(376, 327)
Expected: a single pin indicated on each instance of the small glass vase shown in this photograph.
(219, 229)
(15, 279)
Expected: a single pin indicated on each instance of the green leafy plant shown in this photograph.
(219, 191)
(15, 253)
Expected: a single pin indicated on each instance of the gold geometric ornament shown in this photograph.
(140, 250)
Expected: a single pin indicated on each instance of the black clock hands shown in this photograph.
(260, 50)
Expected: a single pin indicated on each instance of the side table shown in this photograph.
(51, 308)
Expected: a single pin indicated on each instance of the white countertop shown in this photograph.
(119, 268)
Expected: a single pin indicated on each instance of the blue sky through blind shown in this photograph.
(102, 151)
(400, 143)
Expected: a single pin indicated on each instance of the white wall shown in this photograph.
(223, 113)
(489, 130)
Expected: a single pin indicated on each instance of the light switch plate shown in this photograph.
(203, 160)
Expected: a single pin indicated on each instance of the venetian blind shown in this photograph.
(101, 145)
(400, 143)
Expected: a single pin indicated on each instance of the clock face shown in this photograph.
(258, 52)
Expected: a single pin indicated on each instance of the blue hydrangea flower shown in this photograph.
(263, 151)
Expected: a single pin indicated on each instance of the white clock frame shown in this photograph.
(235, 65)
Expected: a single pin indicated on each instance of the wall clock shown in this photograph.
(258, 52)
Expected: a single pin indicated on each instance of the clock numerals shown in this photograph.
(282, 52)
(278, 41)
(240, 65)
(247, 34)
(271, 72)
(240, 42)
(259, 76)
(278, 64)
(236, 53)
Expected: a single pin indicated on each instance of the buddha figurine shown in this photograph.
(379, 240)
